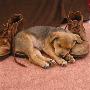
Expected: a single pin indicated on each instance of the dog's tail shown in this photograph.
(19, 62)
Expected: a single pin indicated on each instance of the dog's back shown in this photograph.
(41, 32)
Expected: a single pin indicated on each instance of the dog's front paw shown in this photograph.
(62, 62)
(70, 58)
(46, 66)
(51, 62)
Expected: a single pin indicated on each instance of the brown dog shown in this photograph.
(55, 42)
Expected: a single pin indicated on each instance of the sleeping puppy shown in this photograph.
(55, 42)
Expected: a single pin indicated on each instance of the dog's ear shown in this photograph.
(54, 36)
(78, 39)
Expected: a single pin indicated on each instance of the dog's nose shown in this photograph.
(62, 55)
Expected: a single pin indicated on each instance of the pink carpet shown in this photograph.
(73, 77)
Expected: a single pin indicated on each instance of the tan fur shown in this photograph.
(56, 45)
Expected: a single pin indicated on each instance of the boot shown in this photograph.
(7, 34)
(75, 24)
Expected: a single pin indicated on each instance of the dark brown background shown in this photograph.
(41, 12)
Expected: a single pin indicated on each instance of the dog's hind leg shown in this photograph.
(24, 43)
(40, 60)
(44, 58)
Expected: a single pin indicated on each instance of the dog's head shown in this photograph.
(64, 42)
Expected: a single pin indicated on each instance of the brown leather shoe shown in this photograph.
(7, 34)
(75, 24)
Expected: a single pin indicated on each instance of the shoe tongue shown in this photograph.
(76, 21)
